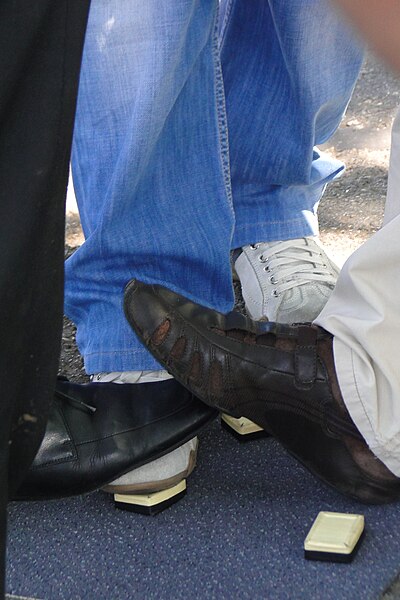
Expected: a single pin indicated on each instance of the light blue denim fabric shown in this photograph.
(289, 69)
(150, 156)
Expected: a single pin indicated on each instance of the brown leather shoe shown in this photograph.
(282, 377)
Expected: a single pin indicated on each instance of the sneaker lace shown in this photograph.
(293, 263)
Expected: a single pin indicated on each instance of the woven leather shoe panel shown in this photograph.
(276, 375)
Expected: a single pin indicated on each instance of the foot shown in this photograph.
(98, 432)
(281, 377)
(287, 282)
(162, 473)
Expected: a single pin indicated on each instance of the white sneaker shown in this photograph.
(158, 484)
(288, 281)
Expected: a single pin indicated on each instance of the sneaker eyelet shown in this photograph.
(275, 294)
(267, 269)
(254, 246)
(273, 280)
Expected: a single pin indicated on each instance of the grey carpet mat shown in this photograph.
(238, 533)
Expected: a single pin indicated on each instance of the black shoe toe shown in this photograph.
(99, 431)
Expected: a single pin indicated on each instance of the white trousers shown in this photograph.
(363, 314)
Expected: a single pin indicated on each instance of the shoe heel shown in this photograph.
(151, 504)
(242, 429)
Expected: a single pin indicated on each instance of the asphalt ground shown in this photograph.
(352, 207)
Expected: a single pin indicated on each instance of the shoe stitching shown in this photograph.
(298, 354)
(326, 379)
(260, 304)
(194, 401)
(69, 443)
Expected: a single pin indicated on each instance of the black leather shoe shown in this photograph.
(100, 431)
(281, 377)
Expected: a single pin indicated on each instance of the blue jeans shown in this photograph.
(161, 194)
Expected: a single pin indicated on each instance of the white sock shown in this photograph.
(131, 377)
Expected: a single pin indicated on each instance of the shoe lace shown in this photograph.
(75, 403)
(294, 263)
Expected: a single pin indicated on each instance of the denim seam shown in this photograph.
(222, 118)
(113, 352)
(224, 27)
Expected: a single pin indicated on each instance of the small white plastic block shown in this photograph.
(151, 504)
(242, 426)
(334, 537)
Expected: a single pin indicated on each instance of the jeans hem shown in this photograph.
(251, 233)
(120, 360)
(137, 357)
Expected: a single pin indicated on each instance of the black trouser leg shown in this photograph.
(40, 53)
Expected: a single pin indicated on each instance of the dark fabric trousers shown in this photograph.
(40, 52)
